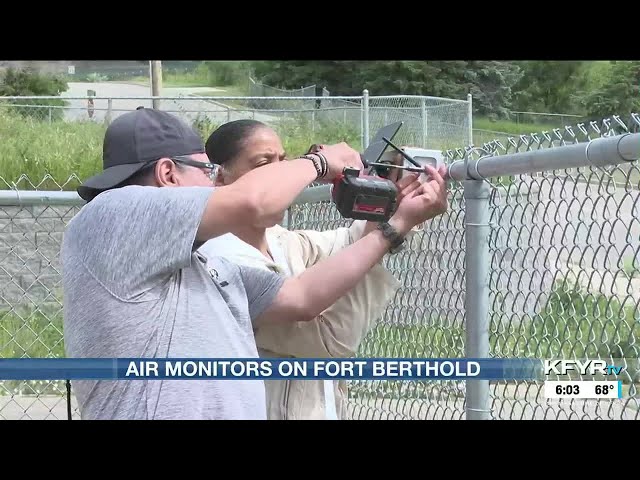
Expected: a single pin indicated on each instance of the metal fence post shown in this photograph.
(476, 200)
(470, 118)
(365, 119)
(156, 82)
(286, 219)
(425, 124)
(109, 111)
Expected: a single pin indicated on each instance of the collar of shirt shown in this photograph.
(231, 247)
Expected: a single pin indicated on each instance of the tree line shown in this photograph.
(593, 89)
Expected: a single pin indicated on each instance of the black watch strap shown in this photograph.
(392, 235)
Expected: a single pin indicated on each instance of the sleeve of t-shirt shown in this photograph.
(133, 238)
(261, 286)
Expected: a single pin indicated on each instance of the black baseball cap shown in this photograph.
(133, 140)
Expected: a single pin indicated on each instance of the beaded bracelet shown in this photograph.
(317, 164)
(324, 164)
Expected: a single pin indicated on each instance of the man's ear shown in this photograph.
(165, 173)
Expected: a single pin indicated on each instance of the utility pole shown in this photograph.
(156, 81)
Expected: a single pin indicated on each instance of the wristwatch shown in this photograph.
(390, 233)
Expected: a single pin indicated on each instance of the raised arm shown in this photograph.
(317, 245)
(260, 197)
(304, 297)
(340, 328)
(170, 222)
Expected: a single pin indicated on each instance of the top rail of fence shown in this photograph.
(30, 198)
(230, 97)
(417, 97)
(598, 152)
(183, 97)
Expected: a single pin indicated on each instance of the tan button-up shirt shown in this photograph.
(336, 333)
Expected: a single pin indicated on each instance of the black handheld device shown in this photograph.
(371, 196)
(364, 197)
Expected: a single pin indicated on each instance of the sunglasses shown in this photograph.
(186, 160)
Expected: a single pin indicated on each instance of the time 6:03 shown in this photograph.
(568, 390)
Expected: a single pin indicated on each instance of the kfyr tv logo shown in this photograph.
(582, 367)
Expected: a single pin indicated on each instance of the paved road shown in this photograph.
(188, 108)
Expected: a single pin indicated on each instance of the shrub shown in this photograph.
(30, 82)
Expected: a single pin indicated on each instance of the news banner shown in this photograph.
(580, 379)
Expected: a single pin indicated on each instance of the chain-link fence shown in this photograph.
(564, 253)
(564, 258)
(257, 89)
(31, 305)
(436, 123)
(62, 136)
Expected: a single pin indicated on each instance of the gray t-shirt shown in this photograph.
(134, 287)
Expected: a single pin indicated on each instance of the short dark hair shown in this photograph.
(227, 140)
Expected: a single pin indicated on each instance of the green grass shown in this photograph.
(486, 130)
(206, 74)
(195, 78)
(28, 333)
(512, 127)
(31, 333)
(49, 154)
(572, 325)
(36, 153)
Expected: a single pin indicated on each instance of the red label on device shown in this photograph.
(367, 208)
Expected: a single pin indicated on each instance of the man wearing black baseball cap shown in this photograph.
(136, 287)
(136, 140)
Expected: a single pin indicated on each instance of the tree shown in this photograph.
(619, 95)
(491, 85)
(549, 86)
(30, 82)
(490, 81)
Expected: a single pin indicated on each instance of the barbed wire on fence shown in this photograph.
(570, 134)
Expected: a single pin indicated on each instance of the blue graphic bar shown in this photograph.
(269, 368)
